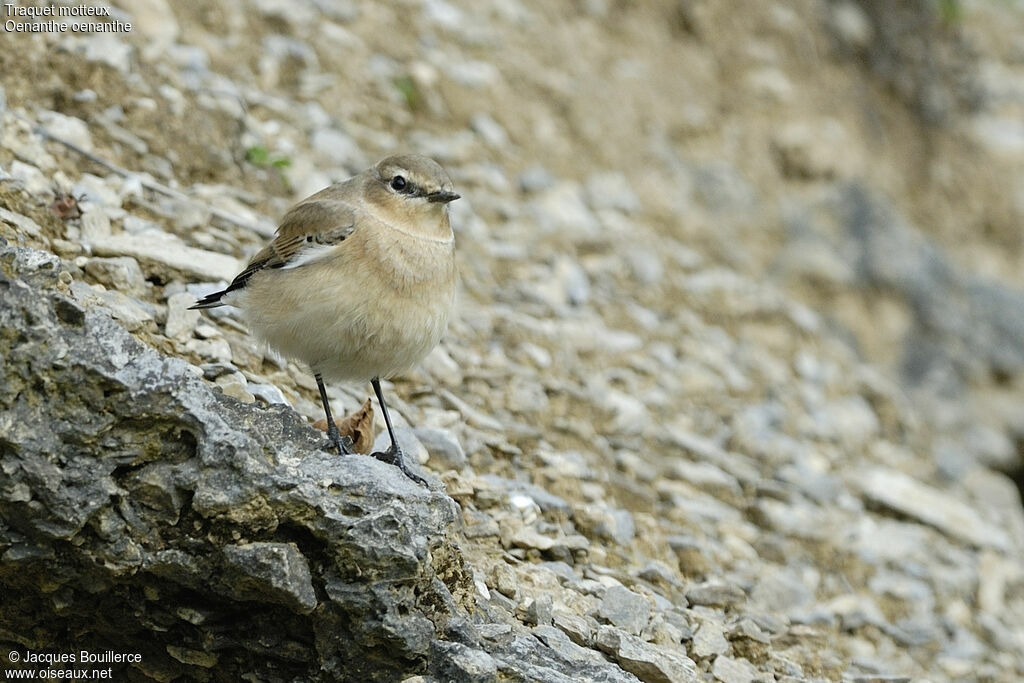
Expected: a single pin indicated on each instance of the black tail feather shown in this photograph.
(210, 300)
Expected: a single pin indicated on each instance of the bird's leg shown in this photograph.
(393, 455)
(342, 443)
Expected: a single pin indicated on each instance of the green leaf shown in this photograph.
(407, 87)
(257, 155)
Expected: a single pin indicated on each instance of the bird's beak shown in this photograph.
(442, 196)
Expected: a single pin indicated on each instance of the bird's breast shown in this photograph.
(374, 308)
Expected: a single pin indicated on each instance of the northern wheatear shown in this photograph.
(359, 281)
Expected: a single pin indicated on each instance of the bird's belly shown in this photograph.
(350, 330)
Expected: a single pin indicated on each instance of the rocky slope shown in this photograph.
(732, 395)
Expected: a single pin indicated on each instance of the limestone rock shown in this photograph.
(166, 253)
(647, 662)
(140, 488)
(625, 609)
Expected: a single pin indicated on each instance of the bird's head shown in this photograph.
(413, 192)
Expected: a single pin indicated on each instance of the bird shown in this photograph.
(358, 283)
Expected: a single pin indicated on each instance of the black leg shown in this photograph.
(343, 444)
(394, 454)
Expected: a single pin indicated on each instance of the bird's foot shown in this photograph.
(343, 444)
(394, 456)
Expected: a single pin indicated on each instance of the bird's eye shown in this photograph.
(398, 183)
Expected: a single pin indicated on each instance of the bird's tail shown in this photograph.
(210, 300)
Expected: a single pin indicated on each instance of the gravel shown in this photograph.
(722, 401)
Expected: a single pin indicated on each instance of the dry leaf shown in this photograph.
(358, 426)
(66, 207)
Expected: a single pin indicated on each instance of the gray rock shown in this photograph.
(271, 572)
(710, 478)
(850, 25)
(722, 187)
(605, 523)
(283, 56)
(562, 570)
(156, 23)
(37, 268)
(136, 225)
(748, 628)
(93, 190)
(561, 208)
(730, 670)
(473, 416)
(336, 147)
(121, 273)
(181, 321)
(646, 264)
(95, 223)
(503, 580)
(573, 282)
(566, 648)
(414, 451)
(779, 589)
(649, 663)
(546, 501)
(478, 524)
(139, 475)
(966, 325)
(899, 492)
(851, 420)
(659, 574)
(560, 547)
(445, 451)
(625, 609)
(611, 191)
(1001, 134)
(538, 613)
(166, 253)
(579, 629)
(268, 393)
(102, 48)
(709, 640)
(31, 178)
(236, 386)
(458, 662)
(489, 130)
(622, 528)
(816, 149)
(527, 657)
(503, 603)
(129, 311)
(535, 179)
(692, 556)
(474, 74)
(70, 128)
(716, 594)
(493, 631)
(770, 83)
(215, 350)
(24, 224)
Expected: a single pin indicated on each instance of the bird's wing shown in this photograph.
(307, 233)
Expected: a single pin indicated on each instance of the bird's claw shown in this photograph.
(394, 456)
(342, 444)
